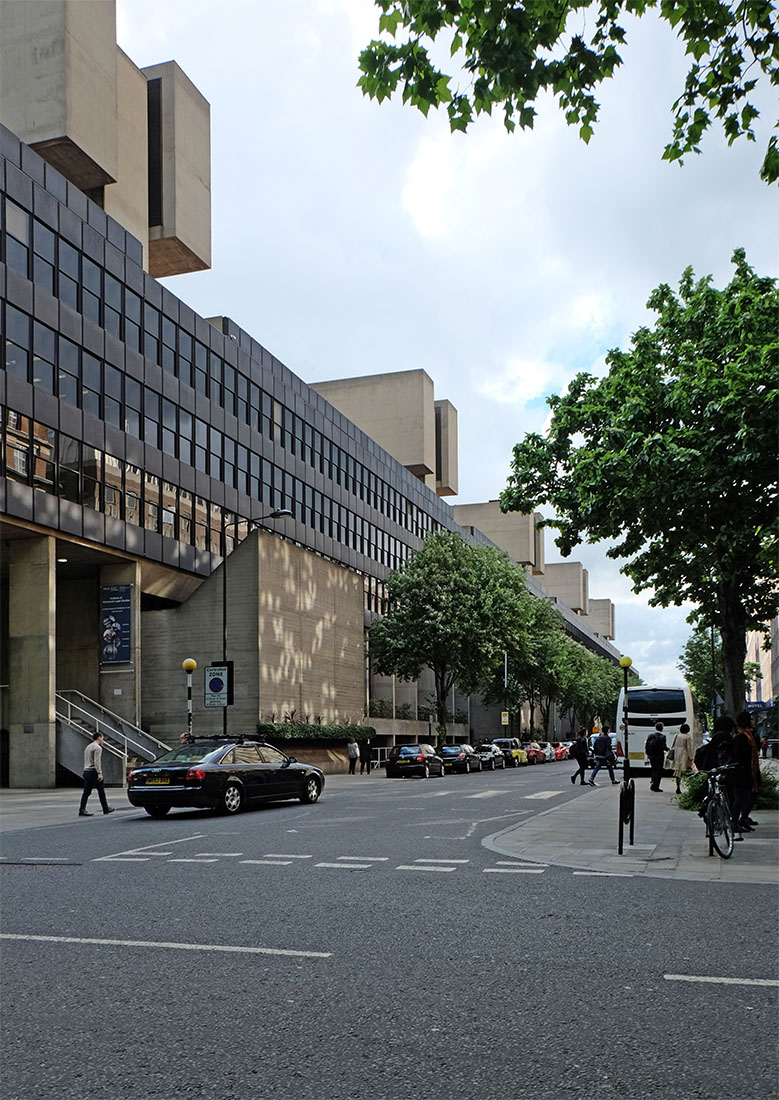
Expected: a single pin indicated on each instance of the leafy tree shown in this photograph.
(511, 51)
(701, 663)
(673, 453)
(453, 608)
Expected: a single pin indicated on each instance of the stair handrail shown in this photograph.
(105, 710)
(104, 728)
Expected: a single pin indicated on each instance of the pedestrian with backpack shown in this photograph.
(655, 748)
(604, 755)
(578, 752)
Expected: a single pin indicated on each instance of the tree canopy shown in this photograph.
(673, 454)
(452, 608)
(511, 51)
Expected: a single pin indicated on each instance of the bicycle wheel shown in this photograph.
(720, 831)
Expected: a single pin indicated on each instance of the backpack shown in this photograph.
(652, 744)
(704, 757)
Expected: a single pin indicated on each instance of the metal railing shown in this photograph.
(87, 714)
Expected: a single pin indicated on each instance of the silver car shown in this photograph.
(490, 755)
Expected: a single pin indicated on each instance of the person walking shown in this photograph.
(578, 752)
(656, 747)
(93, 776)
(604, 755)
(353, 752)
(680, 755)
(365, 757)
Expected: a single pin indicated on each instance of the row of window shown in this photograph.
(54, 462)
(36, 354)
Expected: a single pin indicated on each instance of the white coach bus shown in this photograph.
(647, 705)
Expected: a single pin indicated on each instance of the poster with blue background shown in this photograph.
(115, 647)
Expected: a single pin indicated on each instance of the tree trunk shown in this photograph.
(734, 645)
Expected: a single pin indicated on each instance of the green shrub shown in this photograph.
(380, 708)
(299, 731)
(694, 789)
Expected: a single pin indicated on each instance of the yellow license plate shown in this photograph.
(156, 782)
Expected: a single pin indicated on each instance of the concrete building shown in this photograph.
(141, 442)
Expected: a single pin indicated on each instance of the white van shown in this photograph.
(648, 705)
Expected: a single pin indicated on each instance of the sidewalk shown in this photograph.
(669, 843)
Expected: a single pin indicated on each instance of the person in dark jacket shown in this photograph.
(745, 778)
(578, 752)
(365, 757)
(604, 755)
(656, 747)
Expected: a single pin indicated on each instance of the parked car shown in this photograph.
(491, 756)
(547, 750)
(414, 760)
(512, 750)
(221, 773)
(535, 754)
(461, 758)
(560, 749)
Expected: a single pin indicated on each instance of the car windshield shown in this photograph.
(452, 750)
(188, 754)
(410, 750)
(503, 744)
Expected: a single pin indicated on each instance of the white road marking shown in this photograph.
(193, 861)
(544, 794)
(416, 867)
(269, 862)
(604, 874)
(45, 859)
(172, 946)
(514, 870)
(220, 855)
(428, 860)
(283, 855)
(367, 859)
(720, 981)
(486, 794)
(124, 859)
(148, 849)
(515, 863)
(346, 866)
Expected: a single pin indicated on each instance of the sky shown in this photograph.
(353, 238)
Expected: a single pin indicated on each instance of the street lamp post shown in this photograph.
(189, 666)
(627, 791)
(278, 513)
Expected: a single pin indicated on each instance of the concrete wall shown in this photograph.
(295, 635)
(183, 241)
(127, 200)
(600, 617)
(397, 410)
(568, 581)
(446, 449)
(515, 534)
(58, 86)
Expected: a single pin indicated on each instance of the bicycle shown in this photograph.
(715, 811)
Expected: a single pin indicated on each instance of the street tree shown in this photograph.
(673, 454)
(453, 608)
(701, 664)
(510, 52)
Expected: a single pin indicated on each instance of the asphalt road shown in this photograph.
(371, 947)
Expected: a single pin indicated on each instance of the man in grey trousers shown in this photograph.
(93, 776)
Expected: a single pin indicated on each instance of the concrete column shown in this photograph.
(120, 685)
(32, 603)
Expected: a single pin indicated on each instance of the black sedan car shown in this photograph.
(414, 760)
(460, 758)
(223, 774)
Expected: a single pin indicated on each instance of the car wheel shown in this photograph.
(467, 767)
(157, 811)
(480, 766)
(426, 771)
(232, 799)
(492, 765)
(311, 790)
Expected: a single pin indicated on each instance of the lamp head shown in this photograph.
(189, 665)
(625, 662)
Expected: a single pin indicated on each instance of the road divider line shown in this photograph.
(283, 855)
(486, 794)
(193, 860)
(122, 859)
(346, 866)
(514, 870)
(442, 861)
(225, 948)
(544, 794)
(148, 849)
(269, 862)
(367, 859)
(720, 981)
(604, 874)
(220, 855)
(417, 867)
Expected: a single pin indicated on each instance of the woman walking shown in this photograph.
(681, 754)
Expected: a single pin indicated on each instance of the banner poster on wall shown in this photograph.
(115, 604)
